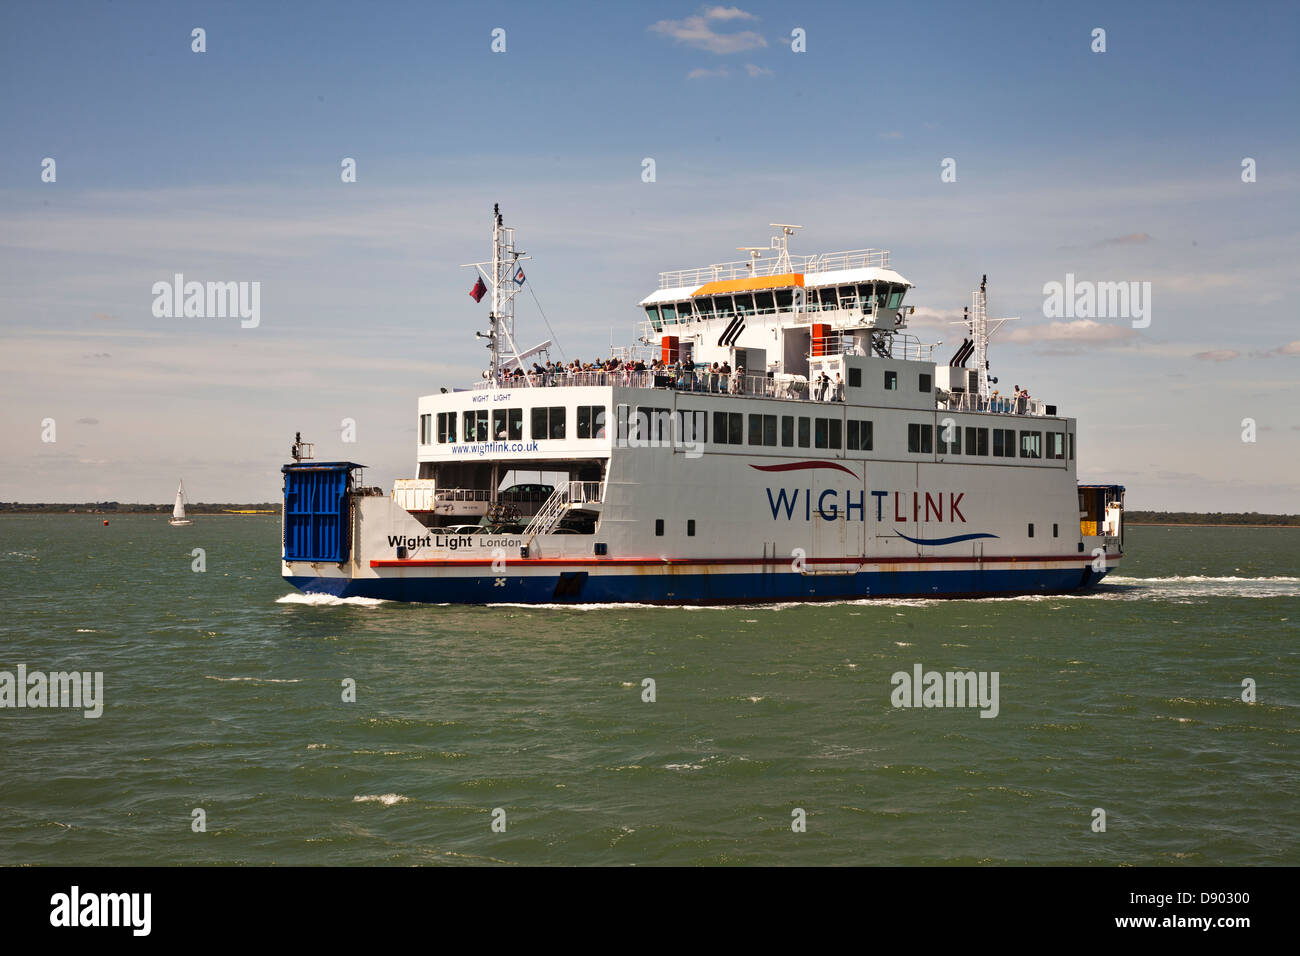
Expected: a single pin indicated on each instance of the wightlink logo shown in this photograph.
(79, 690)
(1098, 300)
(74, 909)
(953, 689)
(208, 300)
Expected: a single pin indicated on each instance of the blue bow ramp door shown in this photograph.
(316, 525)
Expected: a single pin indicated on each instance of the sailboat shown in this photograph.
(178, 511)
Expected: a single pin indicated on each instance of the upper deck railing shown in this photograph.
(750, 268)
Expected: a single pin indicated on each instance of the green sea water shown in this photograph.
(223, 692)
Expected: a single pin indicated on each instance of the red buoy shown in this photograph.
(105, 522)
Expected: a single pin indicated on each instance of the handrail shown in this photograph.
(751, 268)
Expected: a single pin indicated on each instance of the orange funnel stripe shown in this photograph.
(723, 286)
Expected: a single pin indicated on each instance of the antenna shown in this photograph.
(755, 253)
(781, 244)
(501, 320)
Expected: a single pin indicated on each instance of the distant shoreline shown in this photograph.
(1199, 524)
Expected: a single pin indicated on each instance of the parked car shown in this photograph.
(526, 493)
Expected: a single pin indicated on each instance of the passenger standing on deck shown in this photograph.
(839, 388)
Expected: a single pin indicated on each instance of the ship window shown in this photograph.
(849, 296)
(859, 435)
(769, 430)
(763, 302)
(829, 299)
(591, 421)
(498, 424)
(1056, 445)
(745, 304)
(896, 295)
(855, 378)
(735, 428)
(949, 440)
(692, 426)
(476, 425)
(704, 304)
(837, 433)
(1056, 531)
(882, 295)
(926, 379)
(669, 313)
(864, 296)
(805, 433)
(690, 527)
(442, 428)
(549, 422)
(1071, 446)
(1004, 443)
(620, 423)
(784, 300)
(653, 425)
(1031, 531)
(787, 430)
(652, 313)
(425, 429)
(722, 305)
(515, 423)
(920, 439)
(1031, 444)
(684, 313)
(728, 428)
(891, 381)
(977, 441)
(659, 527)
(756, 429)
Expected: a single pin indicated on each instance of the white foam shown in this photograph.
(387, 799)
(258, 680)
(327, 600)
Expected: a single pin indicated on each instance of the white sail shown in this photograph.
(178, 512)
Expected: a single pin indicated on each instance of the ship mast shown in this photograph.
(501, 281)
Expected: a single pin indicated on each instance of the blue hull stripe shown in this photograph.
(742, 588)
(953, 540)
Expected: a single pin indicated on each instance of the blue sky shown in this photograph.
(1115, 166)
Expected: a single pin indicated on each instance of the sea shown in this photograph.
(1152, 721)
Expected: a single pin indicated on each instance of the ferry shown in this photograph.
(774, 434)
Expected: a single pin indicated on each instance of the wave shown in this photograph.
(259, 680)
(387, 799)
(1196, 579)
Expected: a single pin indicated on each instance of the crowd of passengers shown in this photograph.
(683, 375)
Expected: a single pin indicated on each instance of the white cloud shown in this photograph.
(755, 70)
(1218, 355)
(1291, 348)
(698, 32)
(700, 73)
(1079, 330)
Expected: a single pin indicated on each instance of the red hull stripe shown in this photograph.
(680, 562)
(804, 466)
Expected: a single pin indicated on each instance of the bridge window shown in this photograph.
(763, 302)
(745, 304)
(784, 300)
(652, 313)
(896, 295)
(926, 380)
(920, 439)
(669, 313)
(882, 295)
(426, 429)
(704, 304)
(864, 296)
(722, 305)
(787, 430)
(1056, 445)
(1031, 444)
(549, 422)
(805, 432)
(949, 440)
(591, 421)
(891, 381)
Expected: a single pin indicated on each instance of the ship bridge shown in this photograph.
(770, 316)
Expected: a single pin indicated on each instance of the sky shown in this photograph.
(1115, 165)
